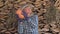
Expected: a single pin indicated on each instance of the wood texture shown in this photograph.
(48, 12)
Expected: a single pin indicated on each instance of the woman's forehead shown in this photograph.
(26, 6)
(27, 9)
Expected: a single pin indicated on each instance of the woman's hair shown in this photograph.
(27, 5)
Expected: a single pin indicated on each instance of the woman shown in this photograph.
(27, 21)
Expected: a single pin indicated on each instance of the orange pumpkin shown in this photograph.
(19, 13)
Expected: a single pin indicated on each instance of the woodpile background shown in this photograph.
(48, 12)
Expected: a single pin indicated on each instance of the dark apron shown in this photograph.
(28, 27)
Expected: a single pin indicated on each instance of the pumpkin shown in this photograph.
(19, 13)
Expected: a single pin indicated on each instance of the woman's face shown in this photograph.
(28, 10)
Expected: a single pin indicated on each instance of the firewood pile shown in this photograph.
(48, 12)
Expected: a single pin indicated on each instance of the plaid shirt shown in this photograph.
(28, 27)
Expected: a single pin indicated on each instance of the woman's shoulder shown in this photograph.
(34, 17)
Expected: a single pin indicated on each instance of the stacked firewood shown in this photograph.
(7, 21)
(45, 9)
